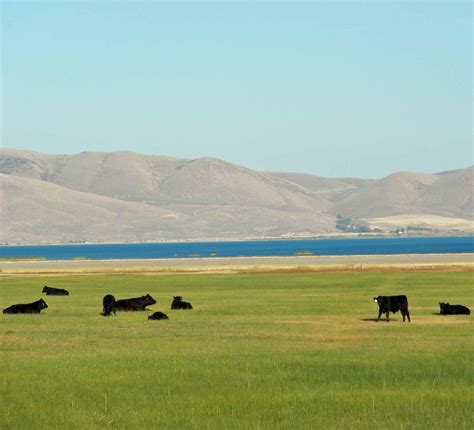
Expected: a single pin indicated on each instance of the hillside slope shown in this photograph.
(35, 211)
(160, 180)
(125, 196)
(448, 195)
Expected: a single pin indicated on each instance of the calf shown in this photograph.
(135, 304)
(28, 308)
(108, 303)
(447, 309)
(179, 304)
(392, 304)
(55, 291)
(158, 316)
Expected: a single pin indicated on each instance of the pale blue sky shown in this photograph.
(333, 89)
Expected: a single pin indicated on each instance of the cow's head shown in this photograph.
(150, 300)
(42, 304)
(381, 301)
(45, 288)
(177, 298)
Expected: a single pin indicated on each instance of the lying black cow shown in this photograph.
(29, 308)
(392, 304)
(179, 304)
(55, 291)
(158, 316)
(135, 304)
(447, 309)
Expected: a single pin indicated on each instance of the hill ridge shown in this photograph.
(209, 197)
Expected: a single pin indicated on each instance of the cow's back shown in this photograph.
(397, 302)
(28, 308)
(13, 309)
(459, 310)
(55, 291)
(134, 304)
(158, 316)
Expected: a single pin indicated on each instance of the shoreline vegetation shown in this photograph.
(265, 264)
(28, 258)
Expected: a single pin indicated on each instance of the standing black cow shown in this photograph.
(28, 308)
(179, 304)
(392, 304)
(108, 303)
(158, 316)
(54, 291)
(447, 309)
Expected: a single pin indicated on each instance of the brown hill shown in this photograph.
(332, 189)
(35, 211)
(161, 180)
(448, 194)
(451, 195)
(124, 196)
(392, 195)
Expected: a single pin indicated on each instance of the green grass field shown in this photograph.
(266, 351)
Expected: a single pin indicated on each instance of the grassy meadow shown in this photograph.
(259, 351)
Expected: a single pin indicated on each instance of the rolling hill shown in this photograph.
(125, 196)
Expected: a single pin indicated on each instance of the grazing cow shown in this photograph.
(108, 303)
(392, 304)
(158, 316)
(29, 308)
(55, 291)
(135, 304)
(447, 309)
(179, 304)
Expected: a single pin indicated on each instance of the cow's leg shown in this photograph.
(387, 315)
(408, 315)
(380, 314)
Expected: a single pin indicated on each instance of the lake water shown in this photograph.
(360, 246)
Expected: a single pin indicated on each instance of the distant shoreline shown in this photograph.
(332, 236)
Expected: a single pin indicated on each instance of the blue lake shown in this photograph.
(359, 246)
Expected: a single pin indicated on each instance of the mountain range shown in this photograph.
(130, 197)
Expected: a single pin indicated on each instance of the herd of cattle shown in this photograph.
(386, 305)
(109, 304)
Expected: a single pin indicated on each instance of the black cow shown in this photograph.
(447, 309)
(179, 304)
(29, 308)
(158, 316)
(135, 304)
(55, 291)
(108, 303)
(392, 304)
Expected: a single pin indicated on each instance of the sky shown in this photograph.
(328, 88)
